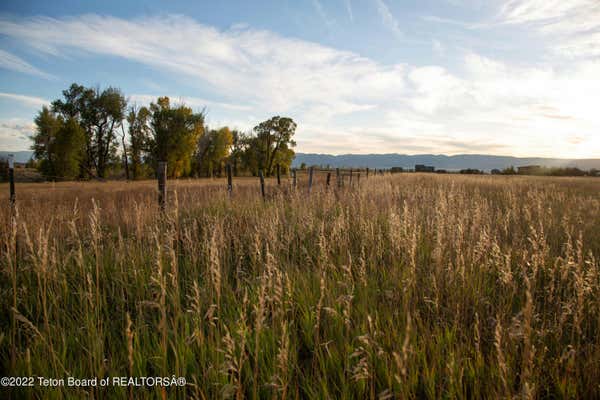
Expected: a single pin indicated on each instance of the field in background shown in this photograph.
(405, 286)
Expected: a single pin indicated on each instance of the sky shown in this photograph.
(513, 77)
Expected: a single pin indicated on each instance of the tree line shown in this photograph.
(90, 133)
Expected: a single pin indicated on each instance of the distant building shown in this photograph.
(424, 168)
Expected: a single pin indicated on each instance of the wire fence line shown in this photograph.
(312, 176)
(343, 177)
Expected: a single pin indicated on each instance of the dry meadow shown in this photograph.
(402, 286)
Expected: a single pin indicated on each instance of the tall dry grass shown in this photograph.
(410, 286)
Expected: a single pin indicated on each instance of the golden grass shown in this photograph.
(407, 286)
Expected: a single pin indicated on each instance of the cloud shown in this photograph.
(321, 12)
(349, 10)
(454, 22)
(438, 48)
(388, 19)
(14, 63)
(554, 14)
(341, 99)
(14, 134)
(27, 100)
(271, 71)
(574, 24)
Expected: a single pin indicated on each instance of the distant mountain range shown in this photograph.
(450, 163)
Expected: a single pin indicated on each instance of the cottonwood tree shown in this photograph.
(100, 114)
(239, 146)
(139, 135)
(59, 145)
(174, 135)
(273, 143)
(213, 150)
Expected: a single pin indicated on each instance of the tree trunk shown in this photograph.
(126, 163)
(271, 158)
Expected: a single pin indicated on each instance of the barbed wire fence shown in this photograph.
(298, 179)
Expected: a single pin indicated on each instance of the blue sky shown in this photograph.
(515, 77)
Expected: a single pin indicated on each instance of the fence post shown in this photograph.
(337, 177)
(367, 172)
(294, 180)
(162, 184)
(328, 178)
(350, 177)
(278, 175)
(310, 179)
(229, 180)
(11, 179)
(358, 179)
(262, 183)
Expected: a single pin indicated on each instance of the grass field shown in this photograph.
(406, 286)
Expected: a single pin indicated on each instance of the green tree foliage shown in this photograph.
(273, 143)
(47, 126)
(69, 149)
(175, 132)
(59, 145)
(79, 132)
(100, 114)
(139, 135)
(239, 146)
(213, 150)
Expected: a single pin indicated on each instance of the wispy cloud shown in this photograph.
(263, 68)
(322, 14)
(343, 100)
(458, 23)
(15, 63)
(388, 19)
(28, 100)
(349, 10)
(574, 24)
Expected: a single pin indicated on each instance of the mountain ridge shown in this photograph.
(388, 160)
(440, 161)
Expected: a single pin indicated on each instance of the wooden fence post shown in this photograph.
(350, 177)
(294, 180)
(337, 177)
(358, 179)
(367, 172)
(262, 183)
(11, 179)
(162, 184)
(328, 178)
(310, 179)
(278, 175)
(229, 180)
